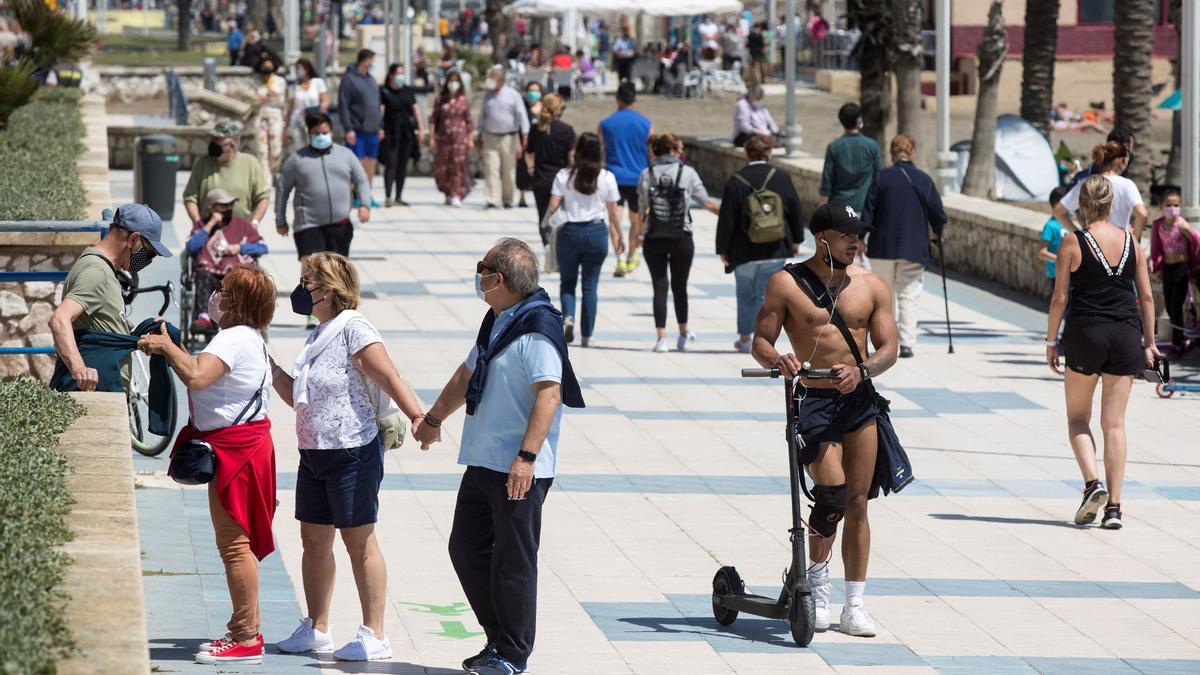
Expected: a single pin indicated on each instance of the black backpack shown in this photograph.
(668, 206)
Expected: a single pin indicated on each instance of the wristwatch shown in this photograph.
(527, 456)
(865, 371)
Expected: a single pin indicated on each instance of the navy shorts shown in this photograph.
(366, 145)
(340, 487)
(825, 414)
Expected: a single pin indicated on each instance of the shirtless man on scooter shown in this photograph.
(835, 417)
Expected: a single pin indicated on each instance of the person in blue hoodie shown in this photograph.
(513, 384)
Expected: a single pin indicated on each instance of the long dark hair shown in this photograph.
(389, 80)
(445, 94)
(588, 162)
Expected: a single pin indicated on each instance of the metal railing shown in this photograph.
(16, 277)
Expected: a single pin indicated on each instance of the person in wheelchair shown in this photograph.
(219, 242)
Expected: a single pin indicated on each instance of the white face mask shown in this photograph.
(214, 307)
(453, 87)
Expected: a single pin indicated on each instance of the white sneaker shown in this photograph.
(684, 341)
(855, 621)
(306, 638)
(821, 594)
(585, 341)
(660, 347)
(456, 201)
(365, 647)
(743, 346)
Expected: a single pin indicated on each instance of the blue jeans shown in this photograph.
(581, 245)
(751, 278)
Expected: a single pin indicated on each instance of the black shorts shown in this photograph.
(335, 238)
(1094, 346)
(340, 487)
(629, 197)
(825, 414)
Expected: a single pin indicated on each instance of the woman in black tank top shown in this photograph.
(1108, 337)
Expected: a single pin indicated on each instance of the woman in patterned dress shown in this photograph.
(450, 140)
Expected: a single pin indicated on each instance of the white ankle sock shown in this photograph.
(854, 592)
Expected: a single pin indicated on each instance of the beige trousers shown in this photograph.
(499, 167)
(241, 568)
(906, 279)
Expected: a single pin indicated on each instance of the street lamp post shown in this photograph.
(945, 159)
(408, 35)
(1191, 112)
(291, 31)
(791, 141)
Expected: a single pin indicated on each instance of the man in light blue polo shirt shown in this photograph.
(513, 384)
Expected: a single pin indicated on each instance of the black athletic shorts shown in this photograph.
(629, 197)
(1094, 346)
(335, 238)
(825, 414)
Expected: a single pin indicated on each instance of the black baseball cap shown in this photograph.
(840, 217)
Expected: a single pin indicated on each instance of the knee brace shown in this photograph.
(829, 508)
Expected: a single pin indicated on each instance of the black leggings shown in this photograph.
(1175, 290)
(396, 170)
(676, 256)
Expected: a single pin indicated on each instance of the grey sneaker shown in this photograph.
(569, 329)
(743, 346)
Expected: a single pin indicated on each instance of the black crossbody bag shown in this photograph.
(195, 462)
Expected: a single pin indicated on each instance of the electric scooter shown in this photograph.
(795, 601)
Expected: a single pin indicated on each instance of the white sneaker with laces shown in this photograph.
(456, 201)
(855, 621)
(306, 638)
(660, 347)
(685, 341)
(821, 592)
(365, 647)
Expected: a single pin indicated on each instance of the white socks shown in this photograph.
(818, 573)
(854, 592)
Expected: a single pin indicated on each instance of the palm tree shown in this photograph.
(981, 170)
(1133, 51)
(183, 41)
(873, 53)
(1037, 66)
(1175, 160)
(909, 55)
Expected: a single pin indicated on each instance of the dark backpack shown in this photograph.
(668, 206)
(764, 212)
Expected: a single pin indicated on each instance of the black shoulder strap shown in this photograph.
(679, 173)
(256, 399)
(808, 281)
(920, 195)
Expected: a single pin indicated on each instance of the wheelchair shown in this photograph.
(190, 307)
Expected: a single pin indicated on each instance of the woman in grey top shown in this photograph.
(664, 189)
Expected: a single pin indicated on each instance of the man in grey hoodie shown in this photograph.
(359, 113)
(324, 177)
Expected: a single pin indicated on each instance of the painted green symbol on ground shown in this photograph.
(453, 609)
(455, 629)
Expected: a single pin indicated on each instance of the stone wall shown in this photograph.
(134, 83)
(985, 239)
(191, 143)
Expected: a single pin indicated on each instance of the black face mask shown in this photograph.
(833, 262)
(214, 149)
(302, 300)
(139, 259)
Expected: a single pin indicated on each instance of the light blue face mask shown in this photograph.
(479, 286)
(400, 80)
(321, 141)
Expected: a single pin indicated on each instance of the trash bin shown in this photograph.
(154, 165)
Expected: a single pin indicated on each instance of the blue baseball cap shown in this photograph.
(143, 220)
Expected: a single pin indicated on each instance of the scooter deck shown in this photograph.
(758, 605)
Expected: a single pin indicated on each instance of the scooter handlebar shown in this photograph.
(810, 374)
(760, 372)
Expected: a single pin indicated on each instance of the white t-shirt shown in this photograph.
(309, 98)
(243, 350)
(339, 413)
(1125, 198)
(581, 208)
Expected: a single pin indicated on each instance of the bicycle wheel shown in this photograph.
(138, 399)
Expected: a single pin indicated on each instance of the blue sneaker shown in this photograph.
(498, 665)
(480, 659)
(355, 203)
(374, 204)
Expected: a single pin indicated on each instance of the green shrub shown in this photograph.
(40, 146)
(33, 500)
(17, 88)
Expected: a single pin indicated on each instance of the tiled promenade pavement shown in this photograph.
(677, 467)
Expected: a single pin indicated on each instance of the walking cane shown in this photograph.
(945, 295)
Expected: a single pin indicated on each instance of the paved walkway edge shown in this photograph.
(106, 609)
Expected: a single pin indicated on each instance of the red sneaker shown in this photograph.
(234, 652)
(216, 644)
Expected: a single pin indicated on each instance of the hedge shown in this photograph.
(33, 501)
(39, 179)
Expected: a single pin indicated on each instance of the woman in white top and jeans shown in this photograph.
(228, 393)
(1128, 210)
(334, 386)
(310, 95)
(586, 192)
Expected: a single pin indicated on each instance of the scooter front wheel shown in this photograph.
(726, 582)
(805, 622)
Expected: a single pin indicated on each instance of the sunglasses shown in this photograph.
(308, 282)
(481, 266)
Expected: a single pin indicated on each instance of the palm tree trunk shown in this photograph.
(1175, 159)
(184, 21)
(1133, 51)
(873, 53)
(1037, 66)
(499, 28)
(907, 16)
(256, 12)
(981, 170)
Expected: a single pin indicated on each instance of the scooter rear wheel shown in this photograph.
(726, 582)
(1162, 391)
(806, 618)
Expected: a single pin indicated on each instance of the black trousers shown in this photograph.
(675, 256)
(624, 68)
(395, 168)
(541, 197)
(1175, 290)
(335, 238)
(494, 547)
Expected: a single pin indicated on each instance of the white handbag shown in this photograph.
(552, 223)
